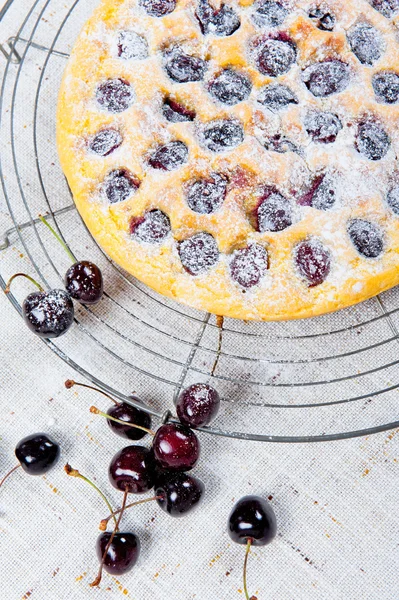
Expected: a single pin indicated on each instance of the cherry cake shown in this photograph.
(240, 156)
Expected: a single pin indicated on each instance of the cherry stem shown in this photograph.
(104, 522)
(57, 237)
(70, 383)
(75, 473)
(97, 580)
(96, 411)
(249, 543)
(8, 474)
(7, 289)
(219, 324)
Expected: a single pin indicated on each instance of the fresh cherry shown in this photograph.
(182, 67)
(326, 77)
(205, 196)
(198, 253)
(176, 447)
(130, 414)
(276, 96)
(222, 22)
(372, 140)
(198, 405)
(169, 156)
(132, 469)
(179, 493)
(366, 43)
(48, 314)
(84, 282)
(105, 142)
(313, 261)
(367, 237)
(122, 553)
(36, 453)
(230, 87)
(174, 112)
(158, 8)
(269, 13)
(386, 86)
(275, 56)
(249, 265)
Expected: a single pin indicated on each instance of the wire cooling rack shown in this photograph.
(328, 378)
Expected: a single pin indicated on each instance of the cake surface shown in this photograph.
(239, 157)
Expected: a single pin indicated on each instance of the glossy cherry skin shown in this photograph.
(84, 282)
(179, 493)
(198, 405)
(48, 314)
(132, 468)
(122, 554)
(252, 518)
(130, 414)
(37, 453)
(176, 447)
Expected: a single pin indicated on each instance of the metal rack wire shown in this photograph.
(322, 379)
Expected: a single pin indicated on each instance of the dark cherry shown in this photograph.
(132, 46)
(323, 127)
(198, 253)
(132, 468)
(179, 493)
(392, 199)
(367, 237)
(174, 112)
(252, 519)
(326, 77)
(169, 157)
(366, 42)
(198, 405)
(182, 67)
(324, 20)
(386, 86)
(37, 453)
(115, 95)
(158, 8)
(105, 142)
(230, 87)
(321, 194)
(84, 282)
(372, 140)
(223, 134)
(249, 265)
(275, 57)
(388, 8)
(176, 447)
(119, 185)
(122, 553)
(48, 314)
(153, 227)
(313, 261)
(205, 196)
(269, 13)
(276, 96)
(281, 144)
(221, 22)
(129, 414)
(273, 213)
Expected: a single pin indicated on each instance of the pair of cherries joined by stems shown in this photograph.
(49, 314)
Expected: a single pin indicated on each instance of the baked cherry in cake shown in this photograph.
(365, 42)
(175, 112)
(274, 212)
(119, 185)
(249, 265)
(269, 13)
(222, 22)
(169, 156)
(206, 195)
(372, 141)
(276, 96)
(158, 8)
(230, 87)
(313, 261)
(386, 86)
(115, 95)
(326, 77)
(182, 67)
(275, 56)
(323, 19)
(366, 237)
(198, 253)
(132, 46)
(105, 142)
(323, 127)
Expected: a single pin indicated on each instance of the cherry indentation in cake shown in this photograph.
(169, 156)
(198, 253)
(276, 96)
(392, 199)
(367, 237)
(230, 87)
(281, 144)
(275, 56)
(269, 13)
(372, 140)
(249, 265)
(313, 261)
(323, 19)
(221, 22)
(132, 46)
(115, 95)
(326, 77)
(321, 194)
(182, 67)
(223, 134)
(175, 112)
(119, 184)
(366, 43)
(205, 196)
(386, 86)
(274, 212)
(386, 7)
(158, 8)
(105, 141)
(153, 227)
(323, 127)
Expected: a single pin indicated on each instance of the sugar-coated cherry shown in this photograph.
(153, 227)
(252, 519)
(48, 314)
(367, 237)
(175, 112)
(179, 493)
(182, 67)
(275, 57)
(205, 196)
(132, 46)
(274, 212)
(386, 86)
(176, 447)
(388, 8)
(84, 282)
(326, 77)
(323, 127)
(222, 134)
(269, 13)
(392, 199)
(105, 142)
(115, 95)
(158, 8)
(169, 156)
(323, 19)
(366, 42)
(197, 405)
(119, 185)
(313, 261)
(37, 453)
(131, 415)
(122, 553)
(372, 140)
(222, 22)
(249, 265)
(276, 96)
(198, 253)
(230, 87)
(132, 468)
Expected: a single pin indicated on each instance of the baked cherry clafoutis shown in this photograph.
(240, 157)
